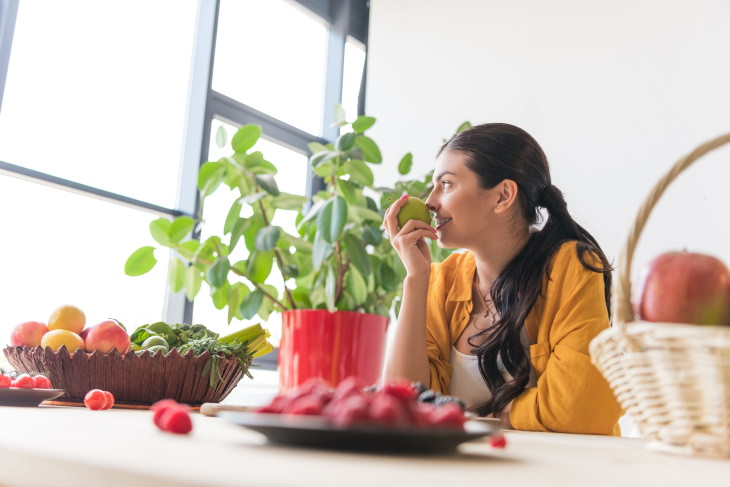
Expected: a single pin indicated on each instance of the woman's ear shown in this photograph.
(506, 195)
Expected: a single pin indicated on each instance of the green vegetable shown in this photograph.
(245, 344)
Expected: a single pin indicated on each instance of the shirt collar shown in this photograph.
(461, 289)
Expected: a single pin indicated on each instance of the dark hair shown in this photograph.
(496, 152)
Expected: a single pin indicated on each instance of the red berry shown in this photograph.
(349, 411)
(176, 419)
(24, 381)
(160, 407)
(5, 381)
(109, 397)
(449, 414)
(277, 405)
(498, 441)
(310, 405)
(387, 410)
(41, 382)
(402, 390)
(95, 400)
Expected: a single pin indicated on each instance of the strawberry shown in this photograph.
(402, 390)
(350, 411)
(160, 407)
(24, 381)
(5, 381)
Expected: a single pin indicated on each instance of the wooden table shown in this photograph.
(72, 446)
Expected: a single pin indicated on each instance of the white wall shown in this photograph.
(615, 91)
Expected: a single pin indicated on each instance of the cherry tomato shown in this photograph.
(96, 400)
(5, 381)
(109, 399)
(23, 380)
(40, 381)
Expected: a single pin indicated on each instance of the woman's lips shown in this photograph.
(440, 222)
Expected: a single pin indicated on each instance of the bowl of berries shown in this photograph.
(395, 417)
(25, 389)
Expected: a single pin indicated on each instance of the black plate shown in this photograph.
(17, 396)
(312, 431)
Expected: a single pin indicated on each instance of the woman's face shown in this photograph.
(463, 210)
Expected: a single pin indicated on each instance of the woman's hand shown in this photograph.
(408, 241)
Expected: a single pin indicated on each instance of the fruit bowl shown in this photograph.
(133, 379)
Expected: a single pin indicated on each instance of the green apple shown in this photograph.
(414, 209)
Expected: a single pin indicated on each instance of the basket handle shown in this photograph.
(622, 297)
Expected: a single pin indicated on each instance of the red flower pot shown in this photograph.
(333, 346)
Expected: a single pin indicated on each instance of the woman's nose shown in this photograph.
(431, 202)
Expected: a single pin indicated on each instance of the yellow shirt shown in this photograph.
(571, 396)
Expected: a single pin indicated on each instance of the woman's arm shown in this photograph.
(406, 357)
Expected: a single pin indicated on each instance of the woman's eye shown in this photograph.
(445, 184)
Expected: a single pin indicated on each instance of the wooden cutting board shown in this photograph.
(213, 408)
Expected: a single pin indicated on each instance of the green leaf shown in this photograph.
(315, 147)
(369, 149)
(160, 231)
(252, 198)
(250, 231)
(387, 278)
(330, 288)
(180, 227)
(361, 214)
(267, 237)
(220, 296)
(239, 227)
(332, 218)
(345, 142)
(322, 157)
(188, 248)
(221, 137)
(372, 236)
(340, 115)
(259, 265)
(405, 164)
(234, 214)
(359, 172)
(140, 262)
(193, 281)
(348, 191)
(464, 126)
(320, 251)
(289, 201)
(210, 176)
(357, 253)
(268, 183)
(356, 287)
(245, 138)
(362, 123)
(176, 274)
(236, 294)
(251, 304)
(218, 273)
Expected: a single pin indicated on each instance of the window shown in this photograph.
(104, 123)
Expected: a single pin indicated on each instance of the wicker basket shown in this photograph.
(673, 379)
(134, 379)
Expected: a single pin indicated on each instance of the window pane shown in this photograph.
(63, 248)
(352, 76)
(271, 56)
(291, 178)
(87, 83)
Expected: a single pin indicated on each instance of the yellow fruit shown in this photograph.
(67, 317)
(414, 209)
(55, 339)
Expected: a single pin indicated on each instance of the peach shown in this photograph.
(106, 336)
(28, 334)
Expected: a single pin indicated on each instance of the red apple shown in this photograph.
(684, 287)
(106, 336)
(28, 334)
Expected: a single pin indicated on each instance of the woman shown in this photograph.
(504, 325)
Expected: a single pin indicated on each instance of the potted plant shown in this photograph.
(341, 277)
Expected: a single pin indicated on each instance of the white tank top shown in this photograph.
(467, 383)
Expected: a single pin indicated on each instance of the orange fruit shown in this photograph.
(67, 317)
(55, 339)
